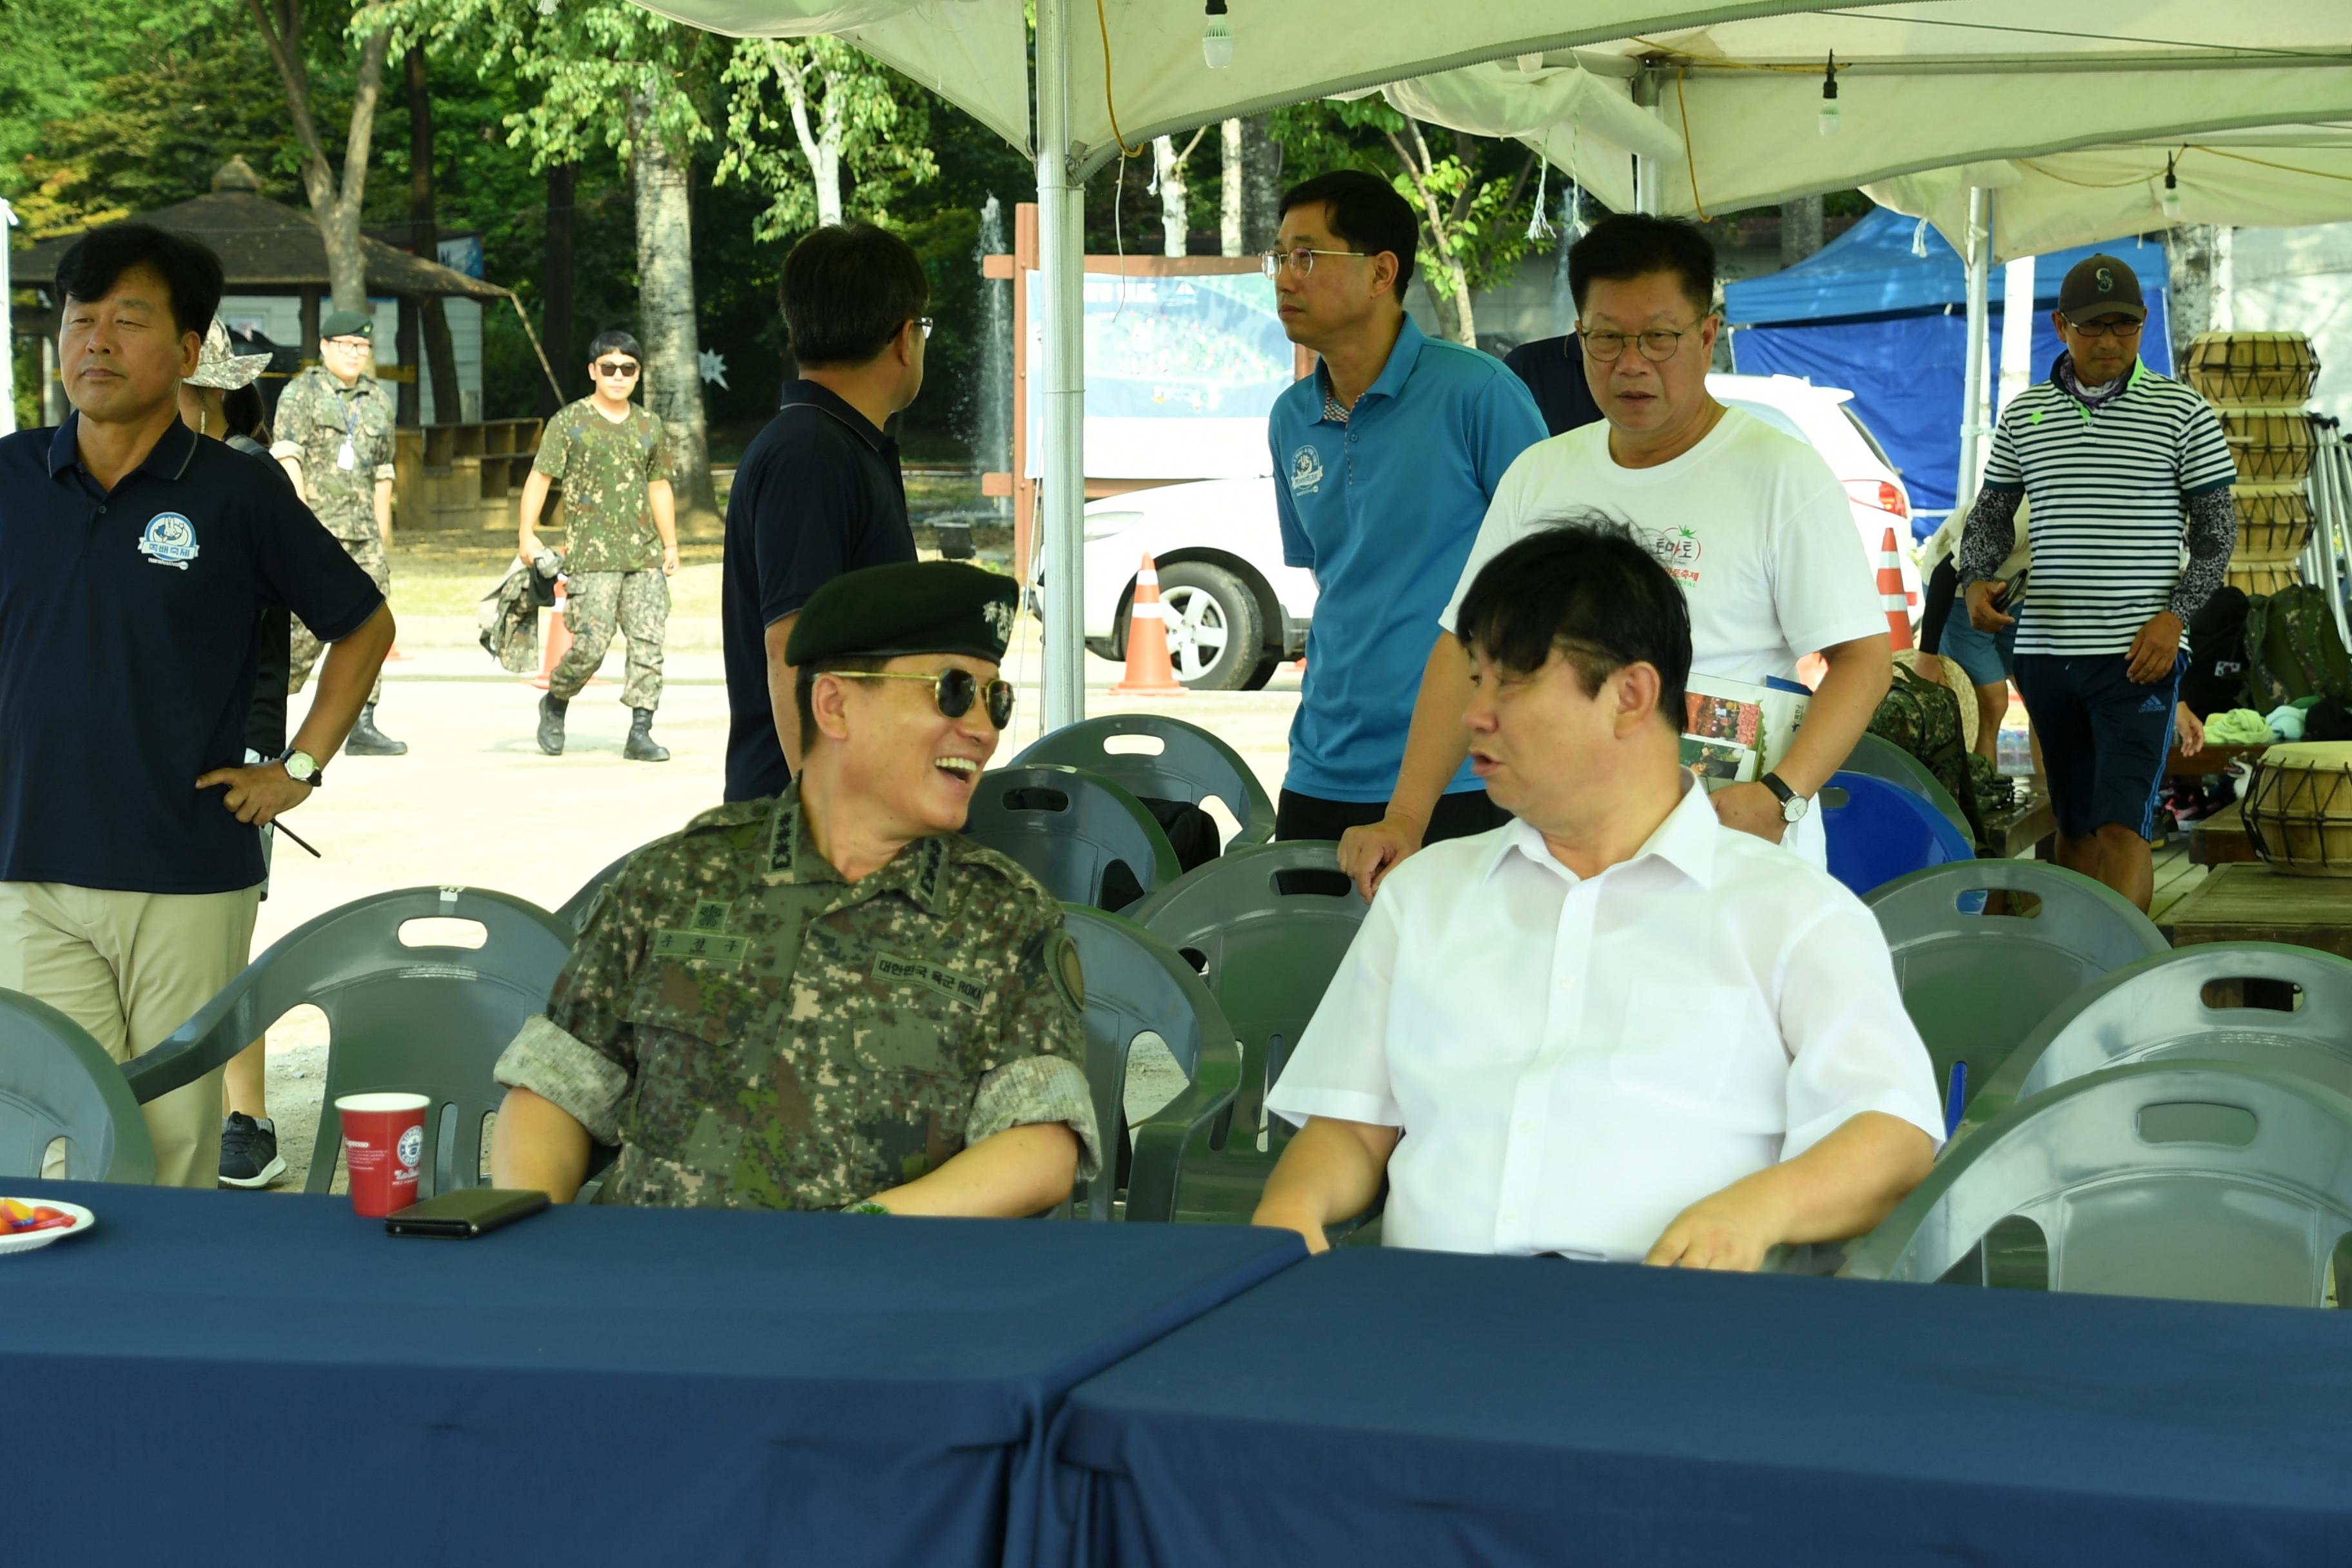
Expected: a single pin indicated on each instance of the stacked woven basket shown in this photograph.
(2260, 383)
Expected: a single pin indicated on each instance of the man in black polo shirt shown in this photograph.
(818, 493)
(1553, 369)
(135, 559)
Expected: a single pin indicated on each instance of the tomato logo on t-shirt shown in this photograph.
(1677, 548)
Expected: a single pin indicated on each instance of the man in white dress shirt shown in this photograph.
(1751, 521)
(1616, 1027)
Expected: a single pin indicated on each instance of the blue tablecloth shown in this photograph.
(1394, 1408)
(223, 1377)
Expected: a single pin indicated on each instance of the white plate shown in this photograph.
(28, 1240)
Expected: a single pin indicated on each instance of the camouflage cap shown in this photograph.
(913, 607)
(347, 324)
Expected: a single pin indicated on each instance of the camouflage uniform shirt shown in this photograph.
(317, 414)
(603, 468)
(756, 1033)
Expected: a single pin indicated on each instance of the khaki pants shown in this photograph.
(131, 968)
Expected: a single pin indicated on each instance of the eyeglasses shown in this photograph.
(1658, 345)
(927, 324)
(1300, 259)
(350, 345)
(625, 369)
(954, 689)
(2097, 329)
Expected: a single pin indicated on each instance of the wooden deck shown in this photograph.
(2176, 875)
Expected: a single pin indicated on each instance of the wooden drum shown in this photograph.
(2262, 575)
(2272, 445)
(2257, 369)
(2299, 808)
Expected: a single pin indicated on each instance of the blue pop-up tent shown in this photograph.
(1867, 313)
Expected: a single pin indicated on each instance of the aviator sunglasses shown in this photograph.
(954, 689)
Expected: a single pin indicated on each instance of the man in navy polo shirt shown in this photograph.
(136, 559)
(1384, 462)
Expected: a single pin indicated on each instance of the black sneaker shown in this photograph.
(249, 1155)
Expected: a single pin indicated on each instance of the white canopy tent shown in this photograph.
(1153, 79)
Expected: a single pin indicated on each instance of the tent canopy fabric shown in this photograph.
(975, 53)
(2281, 177)
(266, 246)
(1865, 313)
(1872, 269)
(1921, 87)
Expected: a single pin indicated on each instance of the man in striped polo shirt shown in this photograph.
(2122, 464)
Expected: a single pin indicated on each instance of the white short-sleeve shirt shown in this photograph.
(1751, 521)
(1574, 1061)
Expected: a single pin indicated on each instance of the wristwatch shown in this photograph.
(302, 767)
(1792, 804)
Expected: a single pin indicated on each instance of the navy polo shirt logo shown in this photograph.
(1305, 471)
(170, 540)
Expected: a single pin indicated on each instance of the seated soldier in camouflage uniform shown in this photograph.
(828, 998)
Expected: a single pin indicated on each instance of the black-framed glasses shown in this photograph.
(1299, 259)
(1657, 345)
(952, 689)
(623, 368)
(2097, 329)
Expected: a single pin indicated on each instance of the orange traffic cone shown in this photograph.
(1890, 593)
(558, 643)
(1148, 672)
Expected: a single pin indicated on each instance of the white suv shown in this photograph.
(1235, 612)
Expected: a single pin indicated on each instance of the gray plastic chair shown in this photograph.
(575, 913)
(1071, 829)
(1875, 756)
(1976, 984)
(57, 1082)
(402, 1019)
(2155, 1010)
(1268, 955)
(1137, 984)
(1192, 765)
(2199, 1181)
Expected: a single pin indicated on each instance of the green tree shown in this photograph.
(336, 199)
(843, 112)
(609, 74)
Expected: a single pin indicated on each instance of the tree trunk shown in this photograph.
(821, 142)
(665, 306)
(1261, 185)
(1175, 221)
(1800, 229)
(1229, 190)
(424, 239)
(2198, 259)
(555, 284)
(1454, 311)
(334, 205)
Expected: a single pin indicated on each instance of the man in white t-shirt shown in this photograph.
(1749, 521)
(1615, 1027)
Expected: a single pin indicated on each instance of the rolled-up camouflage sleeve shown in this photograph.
(1041, 1074)
(581, 1054)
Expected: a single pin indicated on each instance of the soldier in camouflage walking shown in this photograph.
(828, 998)
(620, 541)
(334, 437)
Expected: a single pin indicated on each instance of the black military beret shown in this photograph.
(914, 606)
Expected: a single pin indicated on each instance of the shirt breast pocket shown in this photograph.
(712, 1002)
(1679, 1045)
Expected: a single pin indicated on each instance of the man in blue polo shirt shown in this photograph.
(136, 559)
(1384, 462)
(2124, 467)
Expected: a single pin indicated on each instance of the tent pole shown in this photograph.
(1645, 167)
(2016, 330)
(1061, 266)
(1972, 393)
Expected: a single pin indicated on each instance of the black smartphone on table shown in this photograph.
(464, 1213)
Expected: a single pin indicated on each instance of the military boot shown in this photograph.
(367, 740)
(642, 746)
(551, 725)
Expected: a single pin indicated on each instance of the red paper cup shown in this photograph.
(383, 1144)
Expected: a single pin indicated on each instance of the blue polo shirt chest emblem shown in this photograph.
(170, 540)
(1305, 471)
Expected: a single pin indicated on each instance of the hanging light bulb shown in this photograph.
(1217, 37)
(1829, 117)
(2171, 201)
